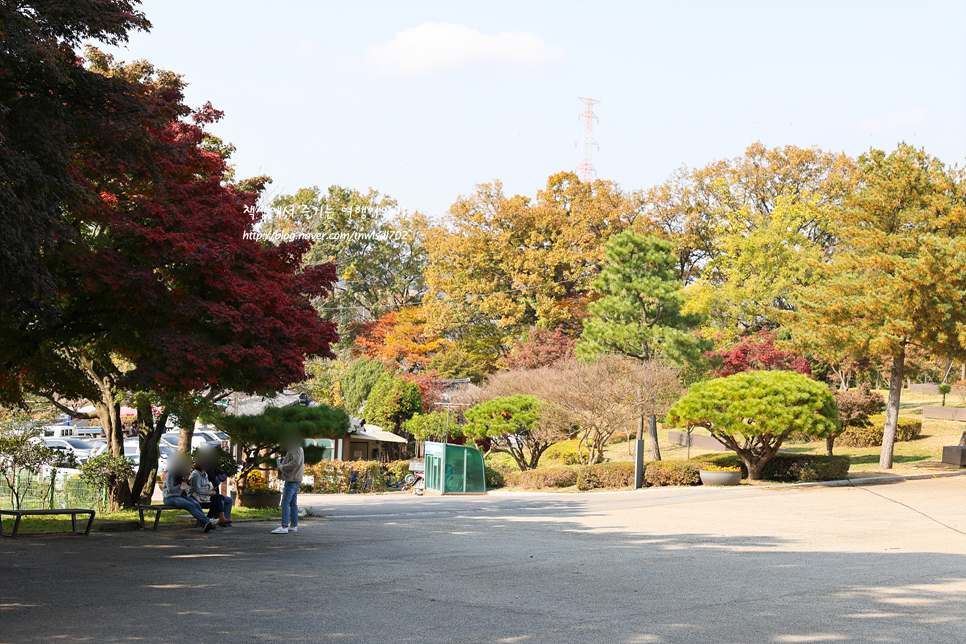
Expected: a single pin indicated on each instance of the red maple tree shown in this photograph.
(161, 289)
(758, 353)
(542, 348)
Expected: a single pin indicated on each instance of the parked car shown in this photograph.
(81, 450)
(97, 445)
(91, 432)
(162, 463)
(214, 437)
(198, 439)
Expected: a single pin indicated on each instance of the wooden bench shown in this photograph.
(158, 509)
(73, 512)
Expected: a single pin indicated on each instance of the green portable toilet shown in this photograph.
(454, 469)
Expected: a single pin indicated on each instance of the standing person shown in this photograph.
(175, 489)
(290, 469)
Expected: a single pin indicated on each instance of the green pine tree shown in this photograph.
(639, 315)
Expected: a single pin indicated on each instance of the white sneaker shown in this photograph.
(280, 530)
(293, 529)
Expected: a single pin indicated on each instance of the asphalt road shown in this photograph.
(877, 564)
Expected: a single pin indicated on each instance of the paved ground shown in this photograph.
(882, 563)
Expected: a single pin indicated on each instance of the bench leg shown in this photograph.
(90, 522)
(16, 526)
(73, 523)
(141, 514)
(157, 518)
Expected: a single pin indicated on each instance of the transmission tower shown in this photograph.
(586, 170)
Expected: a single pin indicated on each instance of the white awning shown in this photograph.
(375, 433)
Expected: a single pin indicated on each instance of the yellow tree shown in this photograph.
(898, 276)
(499, 264)
(743, 228)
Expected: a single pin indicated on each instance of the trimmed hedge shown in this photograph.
(870, 434)
(789, 468)
(663, 473)
(805, 468)
(397, 470)
(605, 475)
(542, 477)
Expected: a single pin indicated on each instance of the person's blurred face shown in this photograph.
(206, 457)
(180, 462)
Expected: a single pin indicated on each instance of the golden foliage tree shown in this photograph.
(744, 229)
(500, 264)
(898, 277)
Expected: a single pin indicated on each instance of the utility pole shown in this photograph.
(586, 171)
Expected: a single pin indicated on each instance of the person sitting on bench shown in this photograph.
(201, 490)
(175, 490)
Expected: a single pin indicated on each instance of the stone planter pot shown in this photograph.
(260, 500)
(719, 477)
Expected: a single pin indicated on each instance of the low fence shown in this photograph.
(932, 388)
(697, 440)
(33, 492)
(944, 413)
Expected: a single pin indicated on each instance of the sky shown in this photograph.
(422, 101)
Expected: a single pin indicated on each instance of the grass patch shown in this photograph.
(168, 517)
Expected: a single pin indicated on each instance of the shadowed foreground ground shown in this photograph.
(683, 565)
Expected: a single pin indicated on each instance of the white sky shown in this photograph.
(424, 100)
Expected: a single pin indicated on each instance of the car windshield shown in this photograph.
(78, 443)
(166, 452)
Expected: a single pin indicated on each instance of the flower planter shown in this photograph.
(260, 500)
(720, 477)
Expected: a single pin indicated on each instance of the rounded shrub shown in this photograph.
(494, 478)
(663, 473)
(565, 453)
(870, 434)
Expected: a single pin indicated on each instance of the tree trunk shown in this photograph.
(892, 408)
(109, 413)
(186, 433)
(829, 442)
(150, 437)
(755, 467)
(655, 448)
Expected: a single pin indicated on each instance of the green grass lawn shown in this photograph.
(57, 523)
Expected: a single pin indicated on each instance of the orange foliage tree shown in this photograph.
(400, 338)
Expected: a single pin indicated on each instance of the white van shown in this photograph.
(59, 431)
